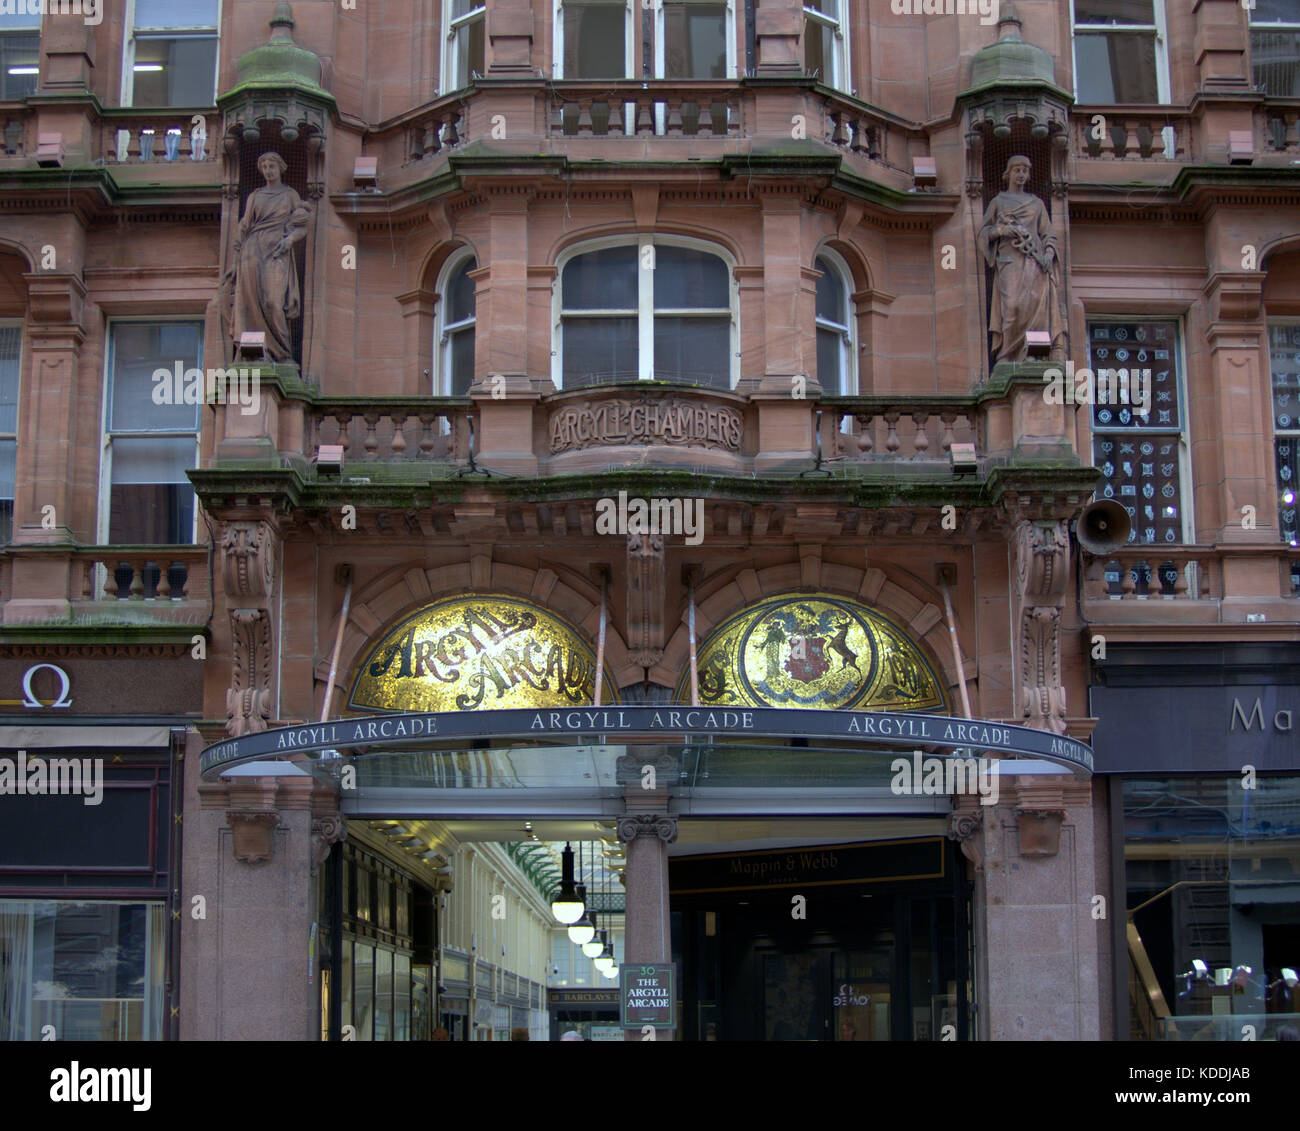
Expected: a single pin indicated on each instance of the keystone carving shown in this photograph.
(645, 599)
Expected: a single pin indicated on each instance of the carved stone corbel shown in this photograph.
(645, 599)
(964, 827)
(1042, 571)
(326, 831)
(248, 700)
(252, 834)
(248, 573)
(633, 825)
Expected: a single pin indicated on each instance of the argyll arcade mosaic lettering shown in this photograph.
(486, 652)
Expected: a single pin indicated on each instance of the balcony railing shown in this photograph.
(876, 429)
(663, 108)
(435, 129)
(135, 573)
(158, 137)
(374, 430)
(1133, 133)
(1178, 573)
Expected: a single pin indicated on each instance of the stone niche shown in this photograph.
(591, 429)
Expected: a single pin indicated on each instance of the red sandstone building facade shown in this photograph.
(730, 258)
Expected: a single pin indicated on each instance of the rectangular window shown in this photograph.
(826, 42)
(148, 445)
(1275, 47)
(171, 55)
(20, 54)
(593, 39)
(1119, 52)
(1139, 435)
(695, 35)
(1284, 364)
(92, 970)
(1212, 906)
(11, 340)
(466, 42)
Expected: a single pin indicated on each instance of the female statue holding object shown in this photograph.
(1017, 241)
(265, 276)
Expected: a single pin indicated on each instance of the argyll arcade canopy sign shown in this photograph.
(652, 725)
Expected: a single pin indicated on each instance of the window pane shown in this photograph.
(11, 338)
(175, 13)
(829, 8)
(830, 294)
(1136, 368)
(828, 362)
(187, 75)
(401, 997)
(138, 349)
(8, 474)
(818, 50)
(18, 52)
(157, 515)
(464, 7)
(383, 995)
(1275, 58)
(149, 459)
(1114, 11)
(695, 41)
(460, 294)
(594, 45)
(1275, 12)
(697, 350)
(1116, 68)
(685, 278)
(601, 280)
(363, 992)
(345, 989)
(19, 19)
(460, 351)
(83, 967)
(1288, 461)
(469, 52)
(598, 350)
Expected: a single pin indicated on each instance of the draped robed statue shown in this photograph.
(1017, 241)
(262, 289)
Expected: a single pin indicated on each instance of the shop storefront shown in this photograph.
(87, 850)
(1205, 839)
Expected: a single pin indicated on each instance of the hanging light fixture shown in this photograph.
(594, 946)
(567, 906)
(605, 959)
(581, 931)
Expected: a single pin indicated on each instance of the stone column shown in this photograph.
(647, 830)
(253, 849)
(510, 38)
(778, 31)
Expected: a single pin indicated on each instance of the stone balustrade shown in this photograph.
(1182, 573)
(390, 429)
(662, 108)
(126, 136)
(1134, 133)
(140, 573)
(876, 429)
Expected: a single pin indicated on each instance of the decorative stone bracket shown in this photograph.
(1042, 569)
(252, 834)
(964, 827)
(326, 831)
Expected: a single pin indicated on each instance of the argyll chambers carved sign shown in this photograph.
(646, 420)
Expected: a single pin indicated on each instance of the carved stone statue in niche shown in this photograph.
(264, 276)
(1017, 242)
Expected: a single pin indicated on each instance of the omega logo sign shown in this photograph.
(65, 685)
(1281, 720)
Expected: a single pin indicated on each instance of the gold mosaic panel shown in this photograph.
(483, 652)
(813, 651)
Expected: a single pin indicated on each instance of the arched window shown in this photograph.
(836, 357)
(652, 310)
(455, 340)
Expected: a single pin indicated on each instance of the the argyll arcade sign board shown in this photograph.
(648, 996)
(628, 725)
